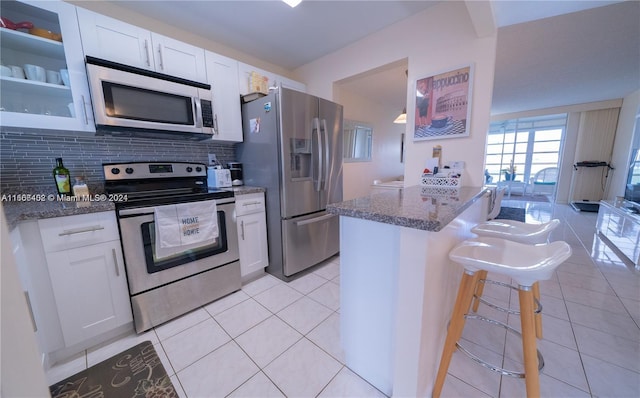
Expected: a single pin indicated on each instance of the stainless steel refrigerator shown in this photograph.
(293, 148)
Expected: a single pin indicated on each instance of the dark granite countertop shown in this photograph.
(18, 206)
(245, 190)
(17, 211)
(419, 207)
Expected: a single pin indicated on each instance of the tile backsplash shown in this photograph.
(28, 158)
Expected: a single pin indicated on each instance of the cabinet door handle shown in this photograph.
(84, 109)
(215, 124)
(160, 56)
(33, 318)
(80, 230)
(242, 229)
(115, 261)
(146, 51)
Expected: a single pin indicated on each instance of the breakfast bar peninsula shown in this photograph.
(397, 284)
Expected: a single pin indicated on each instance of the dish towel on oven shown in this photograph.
(185, 226)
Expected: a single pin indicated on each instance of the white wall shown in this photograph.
(385, 158)
(622, 144)
(436, 40)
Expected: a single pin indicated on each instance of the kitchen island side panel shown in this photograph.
(397, 290)
(368, 290)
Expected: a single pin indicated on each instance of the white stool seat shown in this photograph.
(516, 231)
(526, 264)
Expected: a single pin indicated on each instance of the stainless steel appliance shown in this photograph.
(293, 147)
(162, 288)
(132, 101)
(235, 168)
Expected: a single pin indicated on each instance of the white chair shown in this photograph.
(544, 181)
(528, 233)
(516, 231)
(526, 265)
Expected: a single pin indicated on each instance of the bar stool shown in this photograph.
(525, 264)
(528, 233)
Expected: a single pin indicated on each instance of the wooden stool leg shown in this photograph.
(538, 316)
(479, 289)
(529, 350)
(461, 307)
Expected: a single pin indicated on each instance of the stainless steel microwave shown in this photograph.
(135, 102)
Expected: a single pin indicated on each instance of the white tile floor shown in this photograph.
(282, 339)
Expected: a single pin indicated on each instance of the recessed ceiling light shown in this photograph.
(292, 3)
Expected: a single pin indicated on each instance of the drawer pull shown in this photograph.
(80, 230)
(115, 261)
(251, 203)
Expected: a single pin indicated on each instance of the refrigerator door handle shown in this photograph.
(314, 220)
(316, 129)
(326, 154)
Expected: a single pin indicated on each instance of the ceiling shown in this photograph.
(551, 61)
(274, 32)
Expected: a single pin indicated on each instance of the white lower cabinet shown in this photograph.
(90, 289)
(252, 233)
(88, 283)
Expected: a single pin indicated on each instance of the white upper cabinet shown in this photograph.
(244, 75)
(175, 58)
(35, 100)
(108, 38)
(223, 77)
(113, 40)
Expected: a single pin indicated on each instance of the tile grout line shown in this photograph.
(571, 324)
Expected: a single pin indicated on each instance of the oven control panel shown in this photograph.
(146, 170)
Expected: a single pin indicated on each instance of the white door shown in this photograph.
(252, 238)
(222, 73)
(34, 103)
(179, 59)
(108, 38)
(90, 288)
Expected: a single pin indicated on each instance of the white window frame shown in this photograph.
(529, 126)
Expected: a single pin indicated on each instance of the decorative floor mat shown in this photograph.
(134, 373)
(511, 213)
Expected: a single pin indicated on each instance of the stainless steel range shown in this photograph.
(165, 285)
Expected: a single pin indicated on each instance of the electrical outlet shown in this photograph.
(212, 159)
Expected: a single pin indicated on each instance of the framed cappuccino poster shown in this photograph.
(443, 105)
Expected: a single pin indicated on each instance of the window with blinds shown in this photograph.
(517, 149)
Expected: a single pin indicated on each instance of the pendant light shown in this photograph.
(402, 118)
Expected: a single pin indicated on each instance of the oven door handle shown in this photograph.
(140, 211)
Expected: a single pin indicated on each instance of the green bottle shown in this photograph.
(62, 177)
